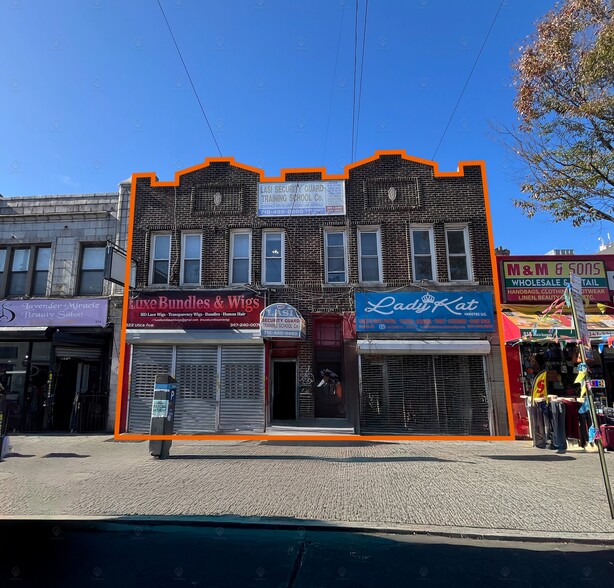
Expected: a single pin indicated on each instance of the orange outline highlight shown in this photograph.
(282, 178)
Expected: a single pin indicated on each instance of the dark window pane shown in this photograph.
(43, 258)
(336, 252)
(21, 260)
(17, 283)
(160, 272)
(458, 268)
(162, 246)
(273, 245)
(2, 260)
(241, 245)
(370, 269)
(240, 271)
(39, 285)
(456, 241)
(191, 249)
(336, 264)
(336, 278)
(93, 258)
(421, 242)
(191, 271)
(422, 268)
(335, 239)
(273, 270)
(368, 243)
(91, 282)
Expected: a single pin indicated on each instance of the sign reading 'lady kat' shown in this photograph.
(420, 312)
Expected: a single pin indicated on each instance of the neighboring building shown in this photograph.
(529, 287)
(222, 242)
(60, 320)
(560, 252)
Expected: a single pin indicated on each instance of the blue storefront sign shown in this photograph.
(431, 312)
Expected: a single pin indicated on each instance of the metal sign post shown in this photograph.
(577, 309)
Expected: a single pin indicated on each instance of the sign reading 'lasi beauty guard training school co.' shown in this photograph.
(428, 313)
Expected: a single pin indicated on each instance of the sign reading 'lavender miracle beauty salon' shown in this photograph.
(75, 312)
(431, 312)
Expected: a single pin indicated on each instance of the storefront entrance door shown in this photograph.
(283, 396)
(329, 401)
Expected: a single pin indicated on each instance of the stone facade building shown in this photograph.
(61, 320)
(222, 242)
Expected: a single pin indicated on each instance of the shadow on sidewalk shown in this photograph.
(65, 455)
(318, 458)
(546, 457)
(19, 455)
(294, 443)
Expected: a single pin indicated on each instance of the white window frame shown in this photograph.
(152, 252)
(465, 230)
(378, 231)
(431, 232)
(185, 234)
(281, 232)
(327, 232)
(234, 232)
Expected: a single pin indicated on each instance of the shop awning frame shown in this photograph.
(422, 347)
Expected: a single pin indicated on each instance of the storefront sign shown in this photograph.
(318, 198)
(227, 309)
(578, 309)
(544, 281)
(76, 312)
(282, 321)
(427, 313)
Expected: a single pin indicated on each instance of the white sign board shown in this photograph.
(281, 320)
(580, 316)
(317, 198)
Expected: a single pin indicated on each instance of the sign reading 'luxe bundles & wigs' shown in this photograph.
(395, 312)
(218, 309)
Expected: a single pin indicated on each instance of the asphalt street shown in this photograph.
(153, 553)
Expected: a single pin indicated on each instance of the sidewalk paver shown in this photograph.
(489, 486)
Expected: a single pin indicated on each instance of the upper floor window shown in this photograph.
(191, 257)
(459, 261)
(335, 257)
(240, 257)
(24, 270)
(91, 272)
(273, 257)
(423, 254)
(159, 267)
(369, 255)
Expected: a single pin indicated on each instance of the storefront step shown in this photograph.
(310, 429)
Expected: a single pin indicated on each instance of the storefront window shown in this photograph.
(13, 363)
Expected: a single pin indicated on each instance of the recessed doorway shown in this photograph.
(284, 387)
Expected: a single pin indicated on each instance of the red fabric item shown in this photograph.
(572, 424)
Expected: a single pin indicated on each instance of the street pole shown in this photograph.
(589, 392)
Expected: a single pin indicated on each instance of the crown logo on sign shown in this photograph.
(428, 299)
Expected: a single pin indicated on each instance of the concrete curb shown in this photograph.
(304, 525)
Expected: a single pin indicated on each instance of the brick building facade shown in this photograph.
(406, 229)
(60, 319)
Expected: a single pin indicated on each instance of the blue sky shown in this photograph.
(93, 90)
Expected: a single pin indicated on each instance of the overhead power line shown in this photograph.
(332, 90)
(492, 24)
(354, 99)
(185, 67)
(362, 67)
